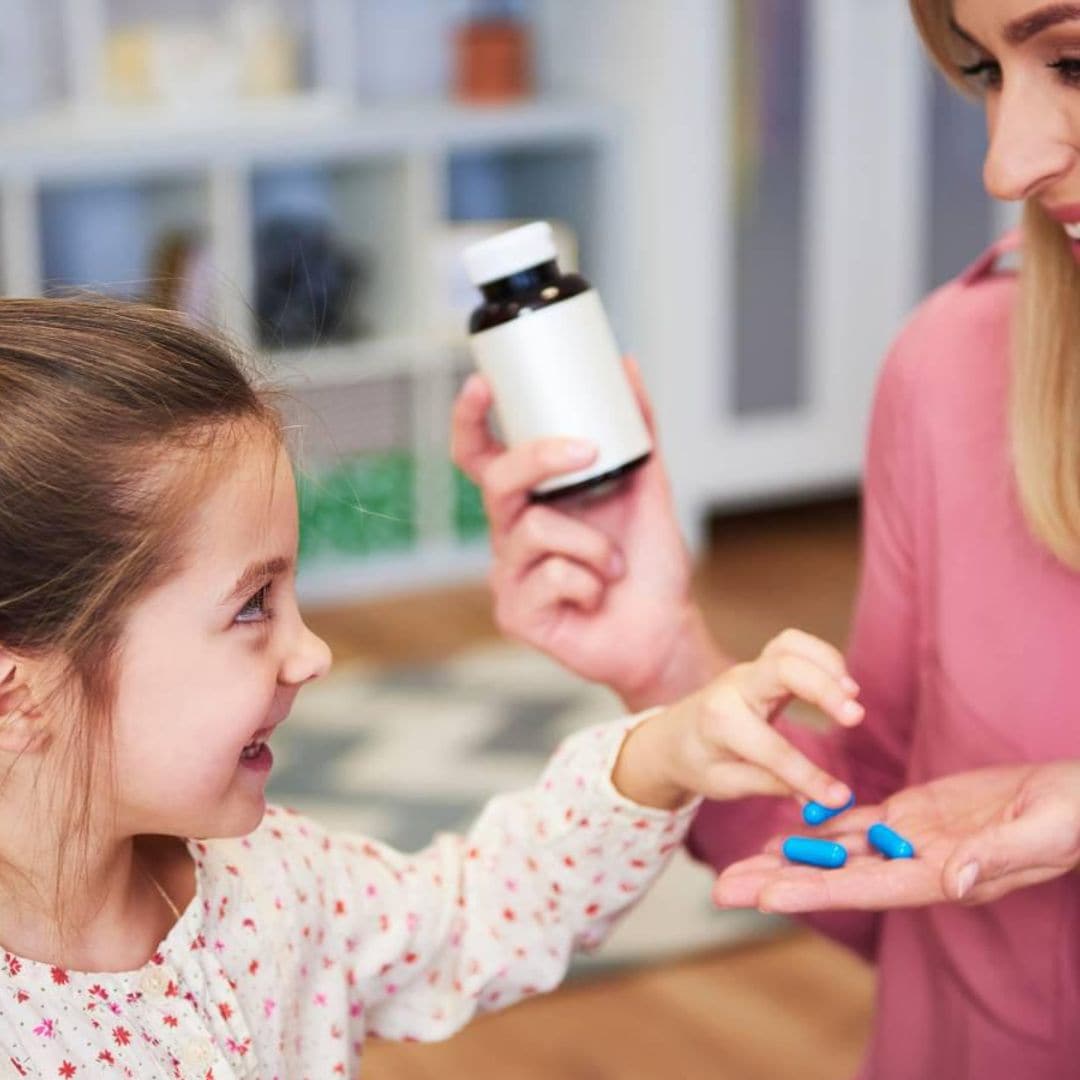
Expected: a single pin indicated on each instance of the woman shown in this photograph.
(967, 624)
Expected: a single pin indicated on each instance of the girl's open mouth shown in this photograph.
(256, 755)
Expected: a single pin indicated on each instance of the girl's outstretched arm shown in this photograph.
(480, 921)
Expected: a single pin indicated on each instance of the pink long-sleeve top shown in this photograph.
(966, 643)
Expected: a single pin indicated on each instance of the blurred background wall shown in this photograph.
(761, 189)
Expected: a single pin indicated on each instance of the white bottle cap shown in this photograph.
(509, 252)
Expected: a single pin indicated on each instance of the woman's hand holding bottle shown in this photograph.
(600, 585)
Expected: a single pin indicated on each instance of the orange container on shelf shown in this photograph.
(492, 61)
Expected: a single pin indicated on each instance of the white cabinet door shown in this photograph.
(768, 279)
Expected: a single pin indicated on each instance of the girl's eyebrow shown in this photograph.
(255, 575)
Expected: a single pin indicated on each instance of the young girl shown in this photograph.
(156, 918)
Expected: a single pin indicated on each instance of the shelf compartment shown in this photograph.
(470, 521)
(559, 181)
(107, 236)
(330, 253)
(356, 467)
(360, 506)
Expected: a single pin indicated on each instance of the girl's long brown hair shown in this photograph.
(110, 416)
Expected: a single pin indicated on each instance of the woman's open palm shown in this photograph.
(1015, 825)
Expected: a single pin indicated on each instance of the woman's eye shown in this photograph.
(983, 75)
(255, 610)
(1068, 67)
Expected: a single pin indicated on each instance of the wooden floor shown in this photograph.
(794, 1007)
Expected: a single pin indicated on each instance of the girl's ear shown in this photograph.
(21, 724)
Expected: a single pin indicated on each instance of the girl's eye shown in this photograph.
(983, 75)
(1068, 68)
(256, 610)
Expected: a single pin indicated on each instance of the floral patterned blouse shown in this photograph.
(299, 943)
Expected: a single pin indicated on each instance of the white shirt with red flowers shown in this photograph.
(300, 943)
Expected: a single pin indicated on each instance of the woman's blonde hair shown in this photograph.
(1044, 406)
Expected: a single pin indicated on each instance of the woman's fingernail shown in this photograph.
(966, 879)
(849, 684)
(616, 564)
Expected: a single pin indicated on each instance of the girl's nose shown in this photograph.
(1029, 147)
(310, 659)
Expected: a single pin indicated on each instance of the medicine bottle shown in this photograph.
(543, 341)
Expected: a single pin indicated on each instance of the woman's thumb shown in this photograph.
(993, 851)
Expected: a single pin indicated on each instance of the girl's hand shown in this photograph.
(719, 742)
(602, 586)
(977, 836)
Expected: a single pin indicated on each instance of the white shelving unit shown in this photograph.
(758, 289)
(389, 169)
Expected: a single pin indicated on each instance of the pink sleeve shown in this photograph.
(872, 758)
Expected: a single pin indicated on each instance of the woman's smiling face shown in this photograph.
(1024, 60)
(211, 660)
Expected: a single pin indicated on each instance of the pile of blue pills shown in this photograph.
(831, 855)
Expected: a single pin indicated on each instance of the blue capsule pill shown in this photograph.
(805, 849)
(889, 843)
(813, 813)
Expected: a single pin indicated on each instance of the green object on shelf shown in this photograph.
(360, 506)
(469, 518)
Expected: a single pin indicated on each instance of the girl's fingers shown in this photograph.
(777, 675)
(760, 745)
(541, 532)
(738, 779)
(814, 649)
(551, 583)
(472, 446)
(507, 479)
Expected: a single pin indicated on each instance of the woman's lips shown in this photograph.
(1067, 214)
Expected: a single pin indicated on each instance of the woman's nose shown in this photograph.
(1029, 146)
(310, 659)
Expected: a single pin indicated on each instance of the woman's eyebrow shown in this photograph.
(1027, 26)
(255, 575)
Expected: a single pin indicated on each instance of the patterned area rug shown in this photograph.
(402, 754)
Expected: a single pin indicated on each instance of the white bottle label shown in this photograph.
(557, 372)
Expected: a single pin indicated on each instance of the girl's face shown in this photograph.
(211, 661)
(1026, 63)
